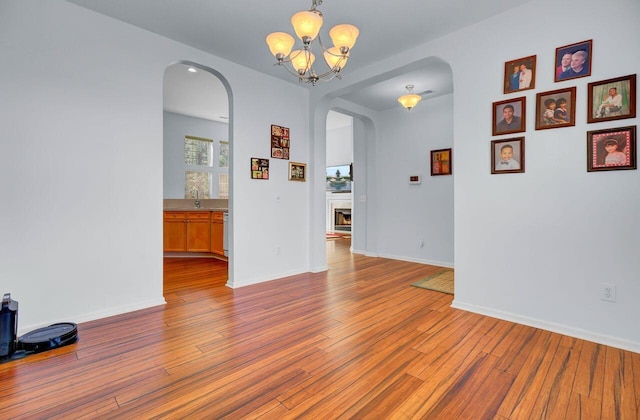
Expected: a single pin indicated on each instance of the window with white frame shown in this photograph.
(200, 171)
(223, 170)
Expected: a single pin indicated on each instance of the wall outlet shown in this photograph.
(277, 250)
(608, 292)
(421, 243)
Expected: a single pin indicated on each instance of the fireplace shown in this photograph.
(338, 213)
(342, 219)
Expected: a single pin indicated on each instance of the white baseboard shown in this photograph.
(418, 260)
(402, 258)
(319, 269)
(248, 282)
(359, 252)
(550, 326)
(92, 316)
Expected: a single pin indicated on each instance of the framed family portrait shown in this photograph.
(509, 116)
(612, 149)
(259, 168)
(556, 108)
(612, 99)
(441, 162)
(573, 61)
(520, 74)
(507, 156)
(297, 171)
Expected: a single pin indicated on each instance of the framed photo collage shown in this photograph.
(608, 100)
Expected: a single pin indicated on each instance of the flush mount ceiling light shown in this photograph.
(410, 99)
(306, 25)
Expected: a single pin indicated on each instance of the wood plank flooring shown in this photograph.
(354, 342)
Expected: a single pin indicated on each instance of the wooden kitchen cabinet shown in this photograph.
(175, 231)
(217, 233)
(187, 231)
(198, 231)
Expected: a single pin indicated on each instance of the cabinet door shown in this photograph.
(198, 231)
(217, 232)
(174, 236)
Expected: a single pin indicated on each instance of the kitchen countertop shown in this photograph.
(195, 209)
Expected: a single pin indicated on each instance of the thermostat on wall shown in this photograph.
(415, 179)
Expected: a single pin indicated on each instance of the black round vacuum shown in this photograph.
(42, 339)
(47, 338)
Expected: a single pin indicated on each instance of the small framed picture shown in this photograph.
(520, 74)
(507, 156)
(280, 142)
(556, 108)
(612, 99)
(509, 116)
(573, 61)
(441, 162)
(297, 171)
(612, 149)
(259, 168)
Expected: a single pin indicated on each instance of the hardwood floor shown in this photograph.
(354, 342)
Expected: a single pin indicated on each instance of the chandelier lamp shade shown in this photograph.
(410, 99)
(306, 25)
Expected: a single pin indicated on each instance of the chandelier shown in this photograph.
(410, 99)
(306, 25)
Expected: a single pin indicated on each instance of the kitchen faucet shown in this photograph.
(197, 203)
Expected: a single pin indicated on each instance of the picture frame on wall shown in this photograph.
(520, 74)
(556, 108)
(509, 116)
(611, 149)
(612, 99)
(259, 168)
(297, 171)
(280, 142)
(507, 156)
(441, 162)
(573, 61)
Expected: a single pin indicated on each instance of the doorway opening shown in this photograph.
(197, 182)
(339, 181)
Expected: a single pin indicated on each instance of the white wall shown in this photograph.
(81, 165)
(176, 127)
(81, 170)
(409, 213)
(534, 247)
(269, 217)
(392, 217)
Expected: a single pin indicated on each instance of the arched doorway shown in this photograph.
(197, 146)
(339, 160)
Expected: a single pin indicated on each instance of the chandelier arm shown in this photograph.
(333, 74)
(337, 67)
(283, 64)
(309, 75)
(339, 63)
(319, 38)
(289, 59)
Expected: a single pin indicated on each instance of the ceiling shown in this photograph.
(198, 94)
(236, 30)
